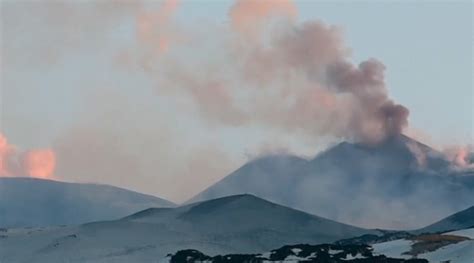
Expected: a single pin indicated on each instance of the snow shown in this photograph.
(334, 252)
(357, 256)
(465, 233)
(266, 255)
(296, 251)
(394, 248)
(462, 252)
(293, 258)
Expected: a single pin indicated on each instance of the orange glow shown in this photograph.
(35, 163)
(461, 157)
(5, 149)
(39, 163)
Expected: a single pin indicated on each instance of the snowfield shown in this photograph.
(394, 248)
(462, 252)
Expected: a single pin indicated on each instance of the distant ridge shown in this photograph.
(38, 202)
(460, 220)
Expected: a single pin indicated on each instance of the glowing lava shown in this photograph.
(39, 163)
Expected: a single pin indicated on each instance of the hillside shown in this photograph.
(36, 202)
(460, 220)
(235, 224)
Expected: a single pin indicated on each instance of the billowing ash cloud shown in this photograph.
(269, 70)
(39, 163)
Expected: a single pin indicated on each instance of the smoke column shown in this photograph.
(274, 72)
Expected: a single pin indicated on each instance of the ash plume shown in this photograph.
(287, 76)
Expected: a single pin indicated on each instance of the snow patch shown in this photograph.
(394, 248)
(465, 233)
(334, 252)
(357, 256)
(296, 251)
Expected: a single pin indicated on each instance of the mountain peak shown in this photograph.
(229, 202)
(277, 157)
(401, 152)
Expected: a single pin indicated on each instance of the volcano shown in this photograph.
(385, 185)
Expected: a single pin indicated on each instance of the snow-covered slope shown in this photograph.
(460, 251)
(35, 202)
(236, 224)
(461, 220)
(383, 186)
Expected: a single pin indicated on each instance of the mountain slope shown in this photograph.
(255, 178)
(461, 220)
(384, 186)
(235, 224)
(37, 202)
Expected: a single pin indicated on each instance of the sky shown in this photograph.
(81, 78)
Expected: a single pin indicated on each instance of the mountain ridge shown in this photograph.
(460, 220)
(39, 202)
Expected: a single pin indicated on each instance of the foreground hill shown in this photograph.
(36, 202)
(235, 224)
(384, 185)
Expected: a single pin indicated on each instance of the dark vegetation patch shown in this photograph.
(326, 253)
(432, 242)
(370, 239)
